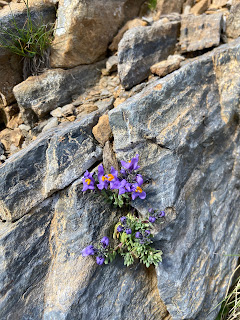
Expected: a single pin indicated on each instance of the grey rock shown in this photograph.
(73, 294)
(56, 112)
(165, 67)
(141, 47)
(24, 127)
(185, 127)
(39, 95)
(200, 32)
(25, 258)
(68, 110)
(51, 123)
(111, 64)
(233, 22)
(3, 157)
(50, 163)
(105, 105)
(44, 276)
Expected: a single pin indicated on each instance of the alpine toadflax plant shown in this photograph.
(132, 237)
(117, 187)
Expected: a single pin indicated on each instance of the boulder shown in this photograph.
(200, 32)
(85, 29)
(233, 22)
(141, 47)
(50, 163)
(185, 127)
(39, 95)
(11, 64)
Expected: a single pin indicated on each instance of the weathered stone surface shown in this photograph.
(75, 283)
(166, 6)
(167, 66)
(200, 32)
(102, 131)
(11, 65)
(233, 22)
(200, 7)
(50, 163)
(85, 29)
(24, 261)
(129, 25)
(39, 95)
(185, 127)
(141, 47)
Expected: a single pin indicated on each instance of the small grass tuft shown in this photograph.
(32, 42)
(230, 306)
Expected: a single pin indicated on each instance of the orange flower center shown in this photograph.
(104, 178)
(129, 161)
(110, 177)
(138, 189)
(88, 181)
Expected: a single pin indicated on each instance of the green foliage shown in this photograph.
(28, 41)
(112, 197)
(132, 247)
(152, 4)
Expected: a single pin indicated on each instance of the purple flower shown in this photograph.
(132, 164)
(100, 260)
(128, 231)
(138, 235)
(150, 210)
(128, 187)
(123, 220)
(151, 219)
(121, 187)
(88, 251)
(120, 228)
(147, 232)
(123, 171)
(103, 181)
(105, 242)
(112, 178)
(139, 179)
(162, 214)
(138, 192)
(88, 181)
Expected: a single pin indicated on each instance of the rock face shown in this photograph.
(55, 158)
(39, 95)
(85, 29)
(200, 32)
(11, 65)
(185, 128)
(233, 22)
(148, 44)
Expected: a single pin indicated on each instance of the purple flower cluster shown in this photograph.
(127, 181)
(143, 236)
(123, 227)
(98, 252)
(155, 215)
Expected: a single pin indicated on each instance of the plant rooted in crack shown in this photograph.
(32, 42)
